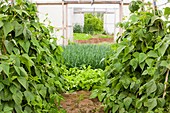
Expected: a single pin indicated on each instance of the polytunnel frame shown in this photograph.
(66, 2)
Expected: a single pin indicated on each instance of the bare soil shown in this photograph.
(79, 102)
(95, 40)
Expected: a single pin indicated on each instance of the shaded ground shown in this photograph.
(79, 102)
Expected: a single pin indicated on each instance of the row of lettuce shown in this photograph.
(128, 77)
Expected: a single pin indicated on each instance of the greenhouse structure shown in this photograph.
(84, 56)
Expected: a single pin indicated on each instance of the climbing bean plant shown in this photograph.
(29, 61)
(137, 76)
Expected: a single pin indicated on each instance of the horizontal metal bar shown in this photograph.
(82, 12)
(80, 2)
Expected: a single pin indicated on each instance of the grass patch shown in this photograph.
(81, 36)
(105, 36)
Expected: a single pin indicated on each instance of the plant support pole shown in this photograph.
(166, 81)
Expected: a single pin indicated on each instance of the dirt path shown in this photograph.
(95, 40)
(79, 102)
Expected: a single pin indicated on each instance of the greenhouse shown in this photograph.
(84, 56)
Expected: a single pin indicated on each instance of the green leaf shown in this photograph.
(120, 49)
(29, 96)
(28, 110)
(152, 53)
(19, 11)
(1, 69)
(18, 97)
(25, 45)
(134, 18)
(1, 24)
(153, 29)
(3, 57)
(161, 102)
(18, 28)
(125, 58)
(117, 88)
(18, 108)
(151, 70)
(136, 54)
(128, 50)
(43, 91)
(122, 95)
(7, 27)
(14, 89)
(17, 70)
(164, 63)
(5, 67)
(118, 66)
(125, 80)
(7, 108)
(138, 104)
(163, 49)
(142, 65)
(94, 94)
(23, 72)
(127, 101)
(151, 87)
(1, 87)
(134, 63)
(151, 103)
(154, 19)
(142, 57)
(167, 11)
(19, 2)
(145, 72)
(23, 82)
(115, 108)
(9, 46)
(101, 96)
(149, 62)
(27, 33)
(160, 88)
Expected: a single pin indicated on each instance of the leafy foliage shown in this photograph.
(76, 55)
(77, 28)
(92, 24)
(134, 6)
(135, 76)
(29, 61)
(82, 79)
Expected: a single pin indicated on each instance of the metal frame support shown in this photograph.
(120, 14)
(63, 21)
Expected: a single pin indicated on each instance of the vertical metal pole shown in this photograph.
(67, 24)
(154, 5)
(12, 2)
(120, 14)
(114, 27)
(63, 20)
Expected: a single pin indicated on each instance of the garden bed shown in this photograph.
(95, 40)
(79, 102)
